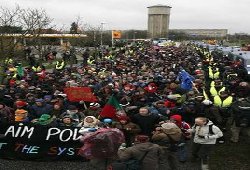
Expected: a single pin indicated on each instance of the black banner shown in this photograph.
(42, 143)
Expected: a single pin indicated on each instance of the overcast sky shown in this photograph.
(233, 15)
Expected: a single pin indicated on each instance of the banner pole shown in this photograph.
(84, 104)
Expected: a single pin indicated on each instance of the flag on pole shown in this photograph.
(110, 108)
(116, 34)
(186, 80)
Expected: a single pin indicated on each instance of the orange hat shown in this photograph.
(20, 111)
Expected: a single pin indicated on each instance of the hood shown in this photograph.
(209, 123)
(93, 124)
(143, 146)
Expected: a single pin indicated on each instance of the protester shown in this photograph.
(21, 115)
(89, 124)
(39, 108)
(67, 121)
(146, 121)
(241, 118)
(129, 129)
(205, 135)
(154, 153)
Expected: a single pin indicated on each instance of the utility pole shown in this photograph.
(102, 24)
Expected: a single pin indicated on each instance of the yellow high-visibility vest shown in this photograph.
(225, 103)
(59, 65)
(36, 69)
(214, 92)
(212, 75)
(212, 84)
(205, 95)
(8, 61)
(90, 61)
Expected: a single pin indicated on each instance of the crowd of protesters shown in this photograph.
(147, 83)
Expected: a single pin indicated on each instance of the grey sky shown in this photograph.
(132, 14)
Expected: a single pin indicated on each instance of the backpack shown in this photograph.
(131, 164)
(210, 129)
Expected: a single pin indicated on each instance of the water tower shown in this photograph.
(158, 21)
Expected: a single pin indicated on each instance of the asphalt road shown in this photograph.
(29, 165)
(64, 165)
(78, 165)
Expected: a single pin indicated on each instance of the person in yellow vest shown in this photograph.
(36, 68)
(91, 60)
(8, 61)
(216, 87)
(223, 100)
(60, 65)
(223, 104)
(213, 72)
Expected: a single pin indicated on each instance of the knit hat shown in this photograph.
(45, 119)
(67, 116)
(39, 100)
(20, 103)
(94, 105)
(49, 97)
(20, 111)
(20, 115)
(177, 119)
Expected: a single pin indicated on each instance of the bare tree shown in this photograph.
(34, 22)
(31, 22)
(9, 23)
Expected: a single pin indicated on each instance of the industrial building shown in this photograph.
(215, 33)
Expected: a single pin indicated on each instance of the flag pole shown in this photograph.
(195, 87)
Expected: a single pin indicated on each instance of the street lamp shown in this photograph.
(102, 24)
(134, 35)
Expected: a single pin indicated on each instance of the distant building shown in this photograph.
(158, 21)
(216, 33)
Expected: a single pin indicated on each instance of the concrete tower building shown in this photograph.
(158, 21)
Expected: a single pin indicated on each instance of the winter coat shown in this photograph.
(204, 131)
(146, 123)
(130, 130)
(134, 128)
(7, 115)
(37, 111)
(151, 161)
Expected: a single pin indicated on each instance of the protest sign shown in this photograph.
(76, 94)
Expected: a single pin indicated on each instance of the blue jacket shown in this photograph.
(37, 111)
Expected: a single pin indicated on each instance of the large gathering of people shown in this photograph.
(161, 109)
